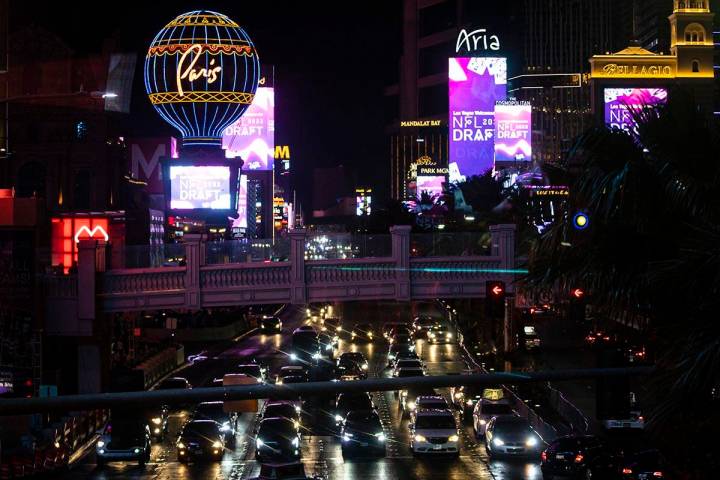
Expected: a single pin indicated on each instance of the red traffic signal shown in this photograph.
(578, 292)
(495, 289)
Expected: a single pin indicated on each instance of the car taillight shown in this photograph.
(657, 474)
(579, 458)
(627, 471)
(543, 456)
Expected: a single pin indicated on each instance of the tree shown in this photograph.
(652, 251)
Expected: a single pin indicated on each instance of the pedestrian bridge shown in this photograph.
(403, 272)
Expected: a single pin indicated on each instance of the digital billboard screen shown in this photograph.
(431, 185)
(252, 137)
(513, 139)
(199, 187)
(620, 103)
(241, 220)
(475, 84)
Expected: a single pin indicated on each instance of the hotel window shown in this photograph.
(695, 66)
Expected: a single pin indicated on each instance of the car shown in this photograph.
(158, 422)
(390, 327)
(174, 383)
(434, 432)
(356, 357)
(214, 411)
(599, 338)
(283, 409)
(333, 324)
(465, 398)
(428, 402)
(327, 344)
(362, 431)
(410, 372)
(422, 323)
(277, 439)
(351, 402)
(125, 437)
(402, 338)
(439, 333)
(485, 410)
(511, 435)
(579, 455)
(398, 350)
(348, 370)
(643, 465)
(252, 370)
(201, 439)
(270, 324)
(292, 371)
(412, 363)
(408, 398)
(364, 332)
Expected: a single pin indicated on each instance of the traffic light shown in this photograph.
(577, 305)
(495, 299)
(578, 293)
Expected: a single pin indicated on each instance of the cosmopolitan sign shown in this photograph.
(513, 132)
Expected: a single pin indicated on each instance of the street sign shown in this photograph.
(232, 379)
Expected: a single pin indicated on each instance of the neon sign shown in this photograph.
(91, 233)
(191, 73)
(476, 40)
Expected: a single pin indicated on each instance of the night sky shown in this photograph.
(332, 61)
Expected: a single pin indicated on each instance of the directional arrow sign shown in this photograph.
(497, 290)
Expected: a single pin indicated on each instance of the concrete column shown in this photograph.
(86, 278)
(298, 287)
(194, 259)
(401, 257)
(503, 243)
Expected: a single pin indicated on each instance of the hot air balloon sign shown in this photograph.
(201, 74)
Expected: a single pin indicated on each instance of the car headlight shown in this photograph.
(225, 427)
(297, 408)
(296, 442)
(100, 443)
(217, 444)
(431, 335)
(448, 335)
(181, 445)
(370, 335)
(391, 356)
(531, 442)
(482, 422)
(353, 334)
(137, 450)
(459, 395)
(315, 356)
(346, 438)
(469, 403)
(338, 329)
(293, 356)
(278, 381)
(156, 420)
(420, 438)
(156, 431)
(328, 347)
(364, 366)
(411, 405)
(338, 418)
(380, 436)
(498, 442)
(453, 438)
(259, 443)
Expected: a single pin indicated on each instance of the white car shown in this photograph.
(512, 435)
(485, 410)
(434, 432)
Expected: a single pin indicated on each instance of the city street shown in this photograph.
(321, 453)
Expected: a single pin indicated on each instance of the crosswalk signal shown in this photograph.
(495, 299)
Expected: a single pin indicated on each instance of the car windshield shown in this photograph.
(435, 421)
(201, 429)
(410, 372)
(363, 328)
(409, 364)
(252, 370)
(433, 404)
(280, 410)
(210, 410)
(496, 409)
(512, 427)
(294, 379)
(362, 418)
(355, 402)
(425, 321)
(172, 383)
(281, 427)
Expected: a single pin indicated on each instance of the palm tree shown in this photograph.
(652, 250)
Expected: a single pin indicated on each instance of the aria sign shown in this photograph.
(476, 40)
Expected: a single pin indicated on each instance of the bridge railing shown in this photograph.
(351, 267)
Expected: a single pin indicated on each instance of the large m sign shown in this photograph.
(145, 156)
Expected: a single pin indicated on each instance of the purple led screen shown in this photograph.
(621, 102)
(432, 185)
(252, 137)
(475, 84)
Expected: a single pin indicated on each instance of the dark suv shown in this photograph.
(583, 455)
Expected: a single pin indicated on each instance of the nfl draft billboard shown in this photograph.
(475, 85)
(513, 127)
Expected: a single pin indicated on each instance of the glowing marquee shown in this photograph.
(91, 233)
(201, 74)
